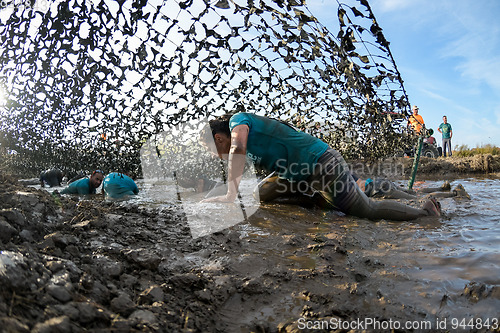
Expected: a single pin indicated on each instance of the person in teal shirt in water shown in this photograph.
(299, 159)
(116, 185)
(85, 186)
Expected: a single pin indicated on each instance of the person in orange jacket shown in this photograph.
(416, 122)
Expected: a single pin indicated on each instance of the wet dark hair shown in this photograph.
(214, 126)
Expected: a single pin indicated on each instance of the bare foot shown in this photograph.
(446, 186)
(433, 207)
(460, 192)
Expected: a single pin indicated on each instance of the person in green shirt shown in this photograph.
(446, 130)
(300, 159)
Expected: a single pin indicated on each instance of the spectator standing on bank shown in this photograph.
(416, 121)
(446, 130)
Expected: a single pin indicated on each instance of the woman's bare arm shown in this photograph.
(236, 163)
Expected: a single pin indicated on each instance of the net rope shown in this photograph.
(86, 83)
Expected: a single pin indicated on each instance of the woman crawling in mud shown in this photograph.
(301, 160)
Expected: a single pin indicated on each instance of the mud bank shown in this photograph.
(70, 265)
(437, 167)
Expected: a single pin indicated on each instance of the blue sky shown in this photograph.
(448, 53)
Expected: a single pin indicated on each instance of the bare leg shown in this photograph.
(458, 192)
(441, 195)
(397, 194)
(445, 187)
(335, 184)
(385, 209)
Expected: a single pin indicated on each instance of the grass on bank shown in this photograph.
(465, 151)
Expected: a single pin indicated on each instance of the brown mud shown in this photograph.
(70, 265)
(439, 168)
(478, 164)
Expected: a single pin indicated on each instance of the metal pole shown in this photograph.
(415, 163)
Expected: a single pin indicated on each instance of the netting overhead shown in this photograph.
(92, 80)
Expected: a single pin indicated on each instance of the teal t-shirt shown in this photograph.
(117, 185)
(275, 146)
(80, 186)
(446, 129)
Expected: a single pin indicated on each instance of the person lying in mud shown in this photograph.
(117, 185)
(274, 189)
(52, 177)
(299, 158)
(384, 188)
(200, 184)
(85, 186)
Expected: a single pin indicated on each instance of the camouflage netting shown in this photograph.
(85, 83)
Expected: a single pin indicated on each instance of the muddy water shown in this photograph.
(428, 266)
(432, 260)
(425, 263)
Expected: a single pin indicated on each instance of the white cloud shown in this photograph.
(472, 40)
(485, 70)
(392, 5)
(477, 131)
(477, 61)
(451, 103)
(436, 96)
